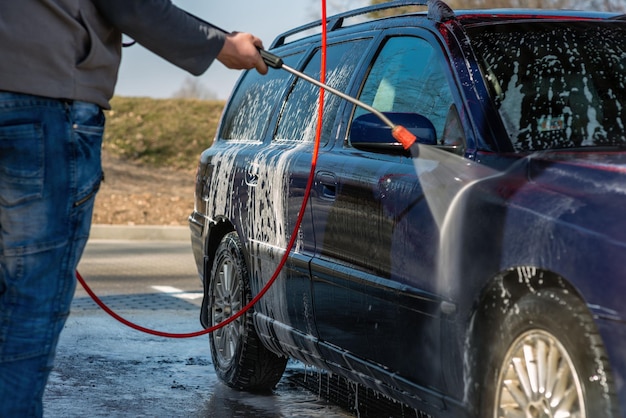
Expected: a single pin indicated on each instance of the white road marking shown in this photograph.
(178, 293)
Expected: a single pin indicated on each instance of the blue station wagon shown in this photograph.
(482, 273)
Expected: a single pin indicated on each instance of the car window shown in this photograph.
(408, 76)
(298, 120)
(556, 85)
(251, 106)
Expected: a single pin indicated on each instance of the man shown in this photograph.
(58, 70)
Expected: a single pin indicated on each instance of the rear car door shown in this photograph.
(280, 173)
(261, 196)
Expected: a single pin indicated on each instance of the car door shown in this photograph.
(377, 237)
(281, 171)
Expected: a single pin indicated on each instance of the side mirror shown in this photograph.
(369, 133)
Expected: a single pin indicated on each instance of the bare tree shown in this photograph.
(192, 88)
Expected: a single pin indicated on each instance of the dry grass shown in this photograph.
(150, 153)
(161, 132)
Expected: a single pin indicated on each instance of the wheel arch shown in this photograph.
(216, 230)
(510, 285)
(497, 297)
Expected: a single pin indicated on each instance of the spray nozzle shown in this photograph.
(404, 136)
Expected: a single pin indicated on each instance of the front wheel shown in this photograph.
(546, 360)
(240, 359)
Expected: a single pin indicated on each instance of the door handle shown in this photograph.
(252, 174)
(326, 185)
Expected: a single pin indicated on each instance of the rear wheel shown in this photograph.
(545, 359)
(240, 359)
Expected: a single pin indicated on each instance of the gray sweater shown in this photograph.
(71, 49)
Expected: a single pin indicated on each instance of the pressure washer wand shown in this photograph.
(399, 132)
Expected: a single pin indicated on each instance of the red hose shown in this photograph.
(290, 244)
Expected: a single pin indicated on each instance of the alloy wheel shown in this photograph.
(538, 380)
(227, 301)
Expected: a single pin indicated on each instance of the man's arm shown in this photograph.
(179, 37)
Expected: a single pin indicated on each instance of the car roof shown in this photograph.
(439, 11)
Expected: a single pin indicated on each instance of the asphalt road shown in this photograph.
(105, 369)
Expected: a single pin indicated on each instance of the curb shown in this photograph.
(140, 232)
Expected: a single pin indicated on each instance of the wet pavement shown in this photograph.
(104, 368)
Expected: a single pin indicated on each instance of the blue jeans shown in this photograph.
(50, 171)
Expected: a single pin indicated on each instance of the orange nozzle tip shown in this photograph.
(403, 136)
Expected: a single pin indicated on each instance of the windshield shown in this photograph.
(556, 84)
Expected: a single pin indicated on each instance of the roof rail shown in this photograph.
(437, 11)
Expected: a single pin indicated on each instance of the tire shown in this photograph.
(240, 359)
(545, 359)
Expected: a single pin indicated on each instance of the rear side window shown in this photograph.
(250, 108)
(298, 120)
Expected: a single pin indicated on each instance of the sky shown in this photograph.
(144, 74)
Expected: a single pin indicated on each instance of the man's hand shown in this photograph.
(241, 52)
